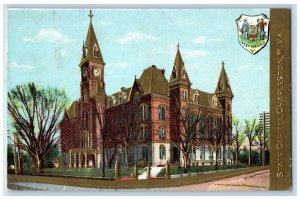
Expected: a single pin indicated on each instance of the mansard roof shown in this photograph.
(154, 81)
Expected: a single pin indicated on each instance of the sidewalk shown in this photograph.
(154, 172)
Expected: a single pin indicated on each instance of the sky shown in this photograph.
(44, 46)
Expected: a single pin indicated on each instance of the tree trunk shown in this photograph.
(237, 158)
(126, 157)
(224, 154)
(216, 163)
(185, 169)
(249, 159)
(40, 164)
(34, 164)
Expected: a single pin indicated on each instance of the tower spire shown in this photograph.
(179, 73)
(91, 16)
(223, 86)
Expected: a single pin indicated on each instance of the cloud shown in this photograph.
(118, 65)
(15, 65)
(200, 40)
(49, 35)
(249, 66)
(136, 37)
(102, 23)
(193, 53)
(62, 53)
(203, 39)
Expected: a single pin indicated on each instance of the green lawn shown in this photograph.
(90, 172)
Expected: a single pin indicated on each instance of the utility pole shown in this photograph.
(265, 123)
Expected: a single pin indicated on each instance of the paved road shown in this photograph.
(248, 182)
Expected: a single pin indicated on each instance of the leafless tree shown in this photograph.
(249, 129)
(215, 138)
(259, 141)
(125, 127)
(185, 131)
(35, 114)
(238, 138)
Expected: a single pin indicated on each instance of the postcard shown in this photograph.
(148, 99)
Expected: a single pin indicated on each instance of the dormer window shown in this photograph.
(197, 97)
(184, 95)
(95, 51)
(136, 98)
(214, 101)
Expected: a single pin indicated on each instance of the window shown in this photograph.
(145, 153)
(162, 152)
(193, 154)
(210, 154)
(192, 123)
(214, 101)
(136, 98)
(197, 97)
(184, 95)
(144, 132)
(112, 101)
(202, 127)
(85, 120)
(162, 133)
(122, 97)
(219, 127)
(210, 127)
(143, 112)
(161, 112)
(202, 153)
(95, 51)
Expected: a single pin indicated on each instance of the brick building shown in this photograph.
(138, 123)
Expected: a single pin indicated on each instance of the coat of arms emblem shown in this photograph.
(253, 31)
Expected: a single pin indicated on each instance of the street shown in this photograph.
(257, 181)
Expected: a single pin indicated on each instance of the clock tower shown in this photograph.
(92, 89)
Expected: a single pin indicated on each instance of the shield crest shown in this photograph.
(253, 32)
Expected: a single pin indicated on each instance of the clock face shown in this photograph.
(96, 72)
(84, 72)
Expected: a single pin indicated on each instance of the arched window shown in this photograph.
(197, 97)
(162, 133)
(145, 153)
(136, 98)
(219, 127)
(202, 127)
(211, 154)
(184, 95)
(162, 152)
(210, 127)
(192, 124)
(214, 101)
(85, 120)
(202, 153)
(95, 51)
(143, 113)
(144, 132)
(193, 154)
(161, 112)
